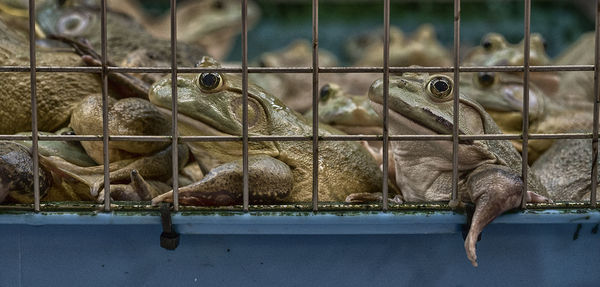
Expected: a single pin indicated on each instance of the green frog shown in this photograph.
(291, 87)
(501, 94)
(494, 50)
(421, 48)
(489, 171)
(124, 35)
(565, 169)
(210, 104)
(351, 114)
(57, 93)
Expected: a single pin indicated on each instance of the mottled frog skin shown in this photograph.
(422, 48)
(501, 94)
(489, 170)
(279, 172)
(565, 169)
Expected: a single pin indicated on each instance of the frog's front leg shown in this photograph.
(494, 189)
(137, 190)
(270, 181)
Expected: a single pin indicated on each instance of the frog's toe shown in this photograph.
(470, 248)
(364, 197)
(536, 198)
(165, 197)
(96, 187)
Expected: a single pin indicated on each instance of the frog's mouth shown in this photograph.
(191, 124)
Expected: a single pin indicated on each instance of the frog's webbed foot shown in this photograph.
(137, 190)
(270, 181)
(493, 189)
(366, 197)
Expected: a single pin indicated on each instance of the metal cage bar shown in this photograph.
(525, 121)
(105, 133)
(594, 171)
(315, 105)
(34, 118)
(455, 102)
(386, 95)
(246, 192)
(174, 107)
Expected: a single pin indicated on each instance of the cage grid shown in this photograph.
(104, 70)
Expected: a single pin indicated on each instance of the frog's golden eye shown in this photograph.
(440, 87)
(324, 93)
(73, 24)
(210, 81)
(486, 79)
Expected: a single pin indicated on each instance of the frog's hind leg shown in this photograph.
(493, 189)
(270, 181)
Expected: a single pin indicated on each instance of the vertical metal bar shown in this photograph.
(526, 49)
(105, 109)
(246, 193)
(386, 92)
(315, 104)
(174, 131)
(455, 119)
(596, 112)
(34, 118)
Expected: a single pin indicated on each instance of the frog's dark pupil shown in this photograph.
(487, 44)
(72, 23)
(209, 80)
(324, 93)
(218, 5)
(545, 44)
(441, 86)
(486, 79)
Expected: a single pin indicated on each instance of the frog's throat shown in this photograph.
(407, 126)
(190, 123)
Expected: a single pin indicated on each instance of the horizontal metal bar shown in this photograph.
(301, 70)
(296, 138)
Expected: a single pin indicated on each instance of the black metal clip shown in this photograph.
(169, 239)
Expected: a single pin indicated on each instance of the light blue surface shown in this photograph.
(541, 249)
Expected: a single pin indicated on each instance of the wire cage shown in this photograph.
(315, 70)
(373, 219)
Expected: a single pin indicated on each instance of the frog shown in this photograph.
(421, 48)
(211, 24)
(351, 114)
(279, 171)
(78, 19)
(495, 50)
(57, 93)
(565, 169)
(578, 86)
(489, 171)
(291, 88)
(501, 94)
(63, 180)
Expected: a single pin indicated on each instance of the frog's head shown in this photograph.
(69, 20)
(296, 54)
(423, 104)
(496, 51)
(210, 104)
(338, 109)
(501, 94)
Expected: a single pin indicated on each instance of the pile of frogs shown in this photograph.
(280, 172)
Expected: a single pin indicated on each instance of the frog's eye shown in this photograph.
(440, 87)
(73, 24)
(324, 93)
(486, 79)
(210, 81)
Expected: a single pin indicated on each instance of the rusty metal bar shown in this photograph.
(594, 173)
(174, 106)
(386, 94)
(456, 92)
(105, 134)
(315, 105)
(34, 117)
(246, 193)
(525, 142)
